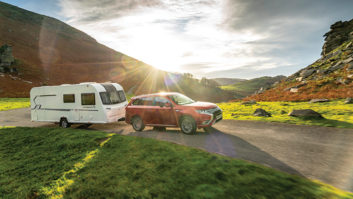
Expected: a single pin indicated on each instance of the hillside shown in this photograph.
(50, 52)
(248, 87)
(227, 81)
(330, 77)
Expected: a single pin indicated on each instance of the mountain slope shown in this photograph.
(248, 87)
(50, 52)
(330, 77)
(227, 81)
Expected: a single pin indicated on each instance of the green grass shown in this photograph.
(336, 113)
(132, 167)
(13, 103)
(36, 161)
(31, 158)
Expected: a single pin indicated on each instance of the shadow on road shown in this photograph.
(215, 141)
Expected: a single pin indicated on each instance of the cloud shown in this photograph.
(83, 11)
(224, 38)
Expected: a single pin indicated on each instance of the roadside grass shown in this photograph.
(31, 158)
(13, 103)
(135, 167)
(35, 162)
(336, 113)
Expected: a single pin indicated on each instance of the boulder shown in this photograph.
(337, 66)
(307, 73)
(349, 100)
(294, 90)
(350, 66)
(305, 113)
(299, 79)
(318, 100)
(346, 61)
(251, 102)
(262, 112)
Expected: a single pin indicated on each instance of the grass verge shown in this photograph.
(13, 103)
(32, 158)
(336, 113)
(133, 167)
(55, 163)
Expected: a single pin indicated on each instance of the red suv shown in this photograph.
(171, 110)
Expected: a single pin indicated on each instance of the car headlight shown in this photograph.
(202, 111)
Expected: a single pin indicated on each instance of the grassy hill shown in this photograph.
(227, 81)
(50, 52)
(248, 87)
(330, 77)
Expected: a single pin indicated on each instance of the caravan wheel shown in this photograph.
(64, 123)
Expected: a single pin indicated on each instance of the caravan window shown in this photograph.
(122, 96)
(88, 99)
(69, 98)
(110, 97)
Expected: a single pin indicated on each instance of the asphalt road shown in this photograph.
(321, 153)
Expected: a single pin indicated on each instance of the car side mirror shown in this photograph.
(169, 105)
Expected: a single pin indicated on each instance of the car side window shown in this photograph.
(145, 101)
(160, 101)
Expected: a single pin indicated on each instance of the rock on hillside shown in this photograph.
(329, 77)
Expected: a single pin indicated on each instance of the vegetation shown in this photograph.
(37, 162)
(13, 103)
(31, 158)
(336, 113)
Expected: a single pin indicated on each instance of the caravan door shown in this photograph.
(76, 114)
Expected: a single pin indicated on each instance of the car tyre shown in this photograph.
(207, 129)
(188, 125)
(64, 123)
(137, 123)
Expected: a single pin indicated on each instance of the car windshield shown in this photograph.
(181, 99)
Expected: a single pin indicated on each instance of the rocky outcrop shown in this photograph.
(318, 100)
(251, 102)
(261, 112)
(331, 76)
(6, 59)
(349, 100)
(339, 33)
(307, 113)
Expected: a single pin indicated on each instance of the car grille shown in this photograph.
(216, 112)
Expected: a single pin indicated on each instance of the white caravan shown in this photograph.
(84, 103)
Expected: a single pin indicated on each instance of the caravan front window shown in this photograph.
(111, 97)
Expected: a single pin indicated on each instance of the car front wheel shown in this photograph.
(188, 125)
(137, 123)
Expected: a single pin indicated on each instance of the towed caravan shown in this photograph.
(84, 103)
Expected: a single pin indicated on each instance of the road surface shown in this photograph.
(321, 153)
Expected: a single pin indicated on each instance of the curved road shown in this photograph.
(321, 153)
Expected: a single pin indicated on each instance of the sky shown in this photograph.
(208, 38)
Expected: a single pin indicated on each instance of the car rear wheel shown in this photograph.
(188, 125)
(137, 123)
(64, 123)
